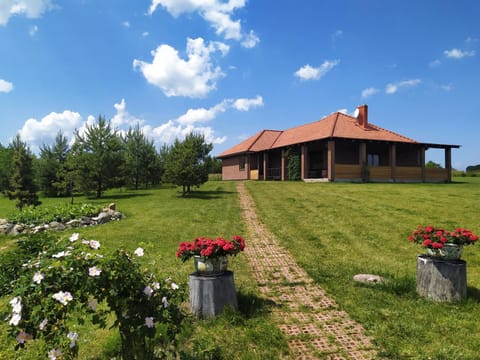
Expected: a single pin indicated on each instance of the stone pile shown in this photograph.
(106, 215)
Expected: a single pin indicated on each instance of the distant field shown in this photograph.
(334, 230)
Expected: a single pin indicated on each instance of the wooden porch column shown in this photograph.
(247, 166)
(448, 163)
(283, 165)
(303, 162)
(362, 153)
(265, 165)
(331, 160)
(422, 162)
(393, 162)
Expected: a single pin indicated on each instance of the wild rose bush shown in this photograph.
(435, 238)
(210, 248)
(73, 281)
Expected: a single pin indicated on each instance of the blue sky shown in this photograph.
(230, 68)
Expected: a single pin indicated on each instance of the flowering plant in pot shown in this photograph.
(443, 243)
(210, 254)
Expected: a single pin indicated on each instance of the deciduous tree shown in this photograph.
(185, 164)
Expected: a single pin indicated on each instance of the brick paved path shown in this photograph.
(310, 320)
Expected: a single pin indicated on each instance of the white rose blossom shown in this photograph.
(61, 254)
(139, 251)
(149, 322)
(63, 297)
(94, 244)
(54, 354)
(43, 324)
(16, 304)
(74, 237)
(148, 291)
(94, 271)
(15, 319)
(37, 277)
(73, 337)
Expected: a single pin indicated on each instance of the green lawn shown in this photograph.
(158, 220)
(338, 230)
(334, 230)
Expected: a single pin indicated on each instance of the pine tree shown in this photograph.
(22, 179)
(96, 158)
(52, 169)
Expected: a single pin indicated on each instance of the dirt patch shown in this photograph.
(311, 321)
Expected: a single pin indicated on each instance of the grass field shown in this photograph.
(338, 230)
(158, 220)
(334, 231)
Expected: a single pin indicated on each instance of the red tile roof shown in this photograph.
(336, 125)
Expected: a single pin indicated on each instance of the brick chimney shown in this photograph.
(362, 117)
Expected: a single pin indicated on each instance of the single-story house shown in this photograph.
(338, 147)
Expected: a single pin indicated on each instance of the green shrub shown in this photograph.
(71, 282)
(43, 215)
(11, 262)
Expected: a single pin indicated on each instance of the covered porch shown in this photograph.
(353, 160)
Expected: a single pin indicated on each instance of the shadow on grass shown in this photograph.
(401, 286)
(473, 293)
(207, 195)
(119, 196)
(250, 305)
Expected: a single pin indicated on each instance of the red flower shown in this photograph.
(437, 245)
(429, 229)
(207, 247)
(427, 243)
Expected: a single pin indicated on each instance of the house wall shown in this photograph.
(231, 168)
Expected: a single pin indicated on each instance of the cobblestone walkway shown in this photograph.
(312, 323)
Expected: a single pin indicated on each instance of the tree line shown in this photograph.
(101, 158)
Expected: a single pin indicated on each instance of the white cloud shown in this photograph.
(217, 13)
(123, 117)
(336, 35)
(37, 132)
(435, 63)
(246, 104)
(309, 72)
(126, 24)
(446, 87)
(33, 30)
(188, 122)
(369, 92)
(194, 77)
(5, 86)
(392, 88)
(32, 9)
(458, 53)
(193, 116)
(250, 40)
(145, 33)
